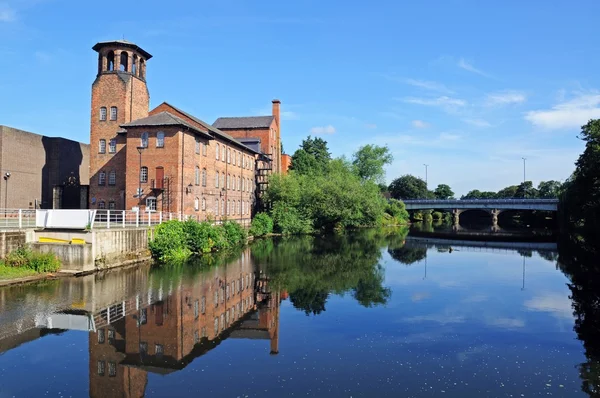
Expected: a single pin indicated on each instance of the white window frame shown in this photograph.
(102, 146)
(151, 203)
(103, 114)
(144, 140)
(114, 113)
(160, 139)
(102, 178)
(112, 178)
(112, 145)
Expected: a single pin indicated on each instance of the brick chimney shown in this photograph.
(276, 105)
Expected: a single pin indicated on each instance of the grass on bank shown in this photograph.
(24, 262)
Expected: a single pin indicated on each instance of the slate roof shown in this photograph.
(213, 129)
(163, 119)
(247, 122)
(122, 43)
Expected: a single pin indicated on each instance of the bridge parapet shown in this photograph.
(483, 204)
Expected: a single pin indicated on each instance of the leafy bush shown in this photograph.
(170, 241)
(437, 215)
(397, 210)
(262, 224)
(176, 241)
(24, 257)
(288, 221)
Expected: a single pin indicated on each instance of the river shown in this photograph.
(368, 314)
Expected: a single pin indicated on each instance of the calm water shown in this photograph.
(364, 315)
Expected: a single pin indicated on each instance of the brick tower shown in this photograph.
(119, 95)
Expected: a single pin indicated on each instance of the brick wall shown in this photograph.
(38, 163)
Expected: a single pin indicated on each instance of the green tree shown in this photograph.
(312, 157)
(474, 194)
(443, 191)
(526, 190)
(508, 192)
(369, 161)
(582, 199)
(549, 189)
(409, 187)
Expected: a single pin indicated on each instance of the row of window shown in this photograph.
(113, 113)
(112, 178)
(232, 207)
(102, 204)
(236, 184)
(112, 146)
(241, 284)
(224, 154)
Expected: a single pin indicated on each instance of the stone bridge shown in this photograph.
(493, 206)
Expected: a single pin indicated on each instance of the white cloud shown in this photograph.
(569, 114)
(557, 304)
(370, 126)
(7, 14)
(401, 140)
(428, 85)
(322, 130)
(477, 122)
(419, 124)
(463, 64)
(442, 101)
(505, 98)
(444, 318)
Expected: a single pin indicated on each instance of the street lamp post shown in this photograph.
(140, 149)
(426, 165)
(524, 179)
(6, 177)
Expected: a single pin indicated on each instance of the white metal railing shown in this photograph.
(108, 219)
(17, 218)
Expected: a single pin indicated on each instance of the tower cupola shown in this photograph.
(121, 56)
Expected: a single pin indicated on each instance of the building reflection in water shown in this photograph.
(163, 332)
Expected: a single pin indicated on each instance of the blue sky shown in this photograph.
(467, 87)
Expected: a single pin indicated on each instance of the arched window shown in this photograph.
(112, 178)
(197, 145)
(223, 180)
(204, 149)
(203, 177)
(102, 204)
(144, 174)
(203, 204)
(160, 139)
(222, 206)
(228, 178)
(217, 179)
(217, 152)
(228, 207)
(103, 113)
(124, 64)
(110, 61)
(113, 113)
(239, 183)
(243, 184)
(196, 204)
(243, 209)
(102, 146)
(134, 65)
(142, 72)
(102, 178)
(228, 155)
(144, 140)
(197, 175)
(239, 207)
(233, 183)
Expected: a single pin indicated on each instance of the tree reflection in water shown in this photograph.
(579, 259)
(311, 268)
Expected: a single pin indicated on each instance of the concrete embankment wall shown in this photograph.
(103, 249)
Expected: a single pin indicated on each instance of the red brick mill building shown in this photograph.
(165, 159)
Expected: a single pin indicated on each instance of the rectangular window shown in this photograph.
(204, 150)
(101, 336)
(111, 205)
(196, 309)
(196, 337)
(111, 336)
(112, 369)
(203, 305)
(160, 139)
(102, 146)
(144, 174)
(101, 368)
(198, 146)
(159, 350)
(113, 113)
(112, 146)
(217, 180)
(101, 178)
(151, 204)
(103, 113)
(112, 178)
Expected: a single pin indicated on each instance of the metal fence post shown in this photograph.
(149, 217)
(137, 219)
(160, 218)
(107, 219)
(20, 218)
(123, 218)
